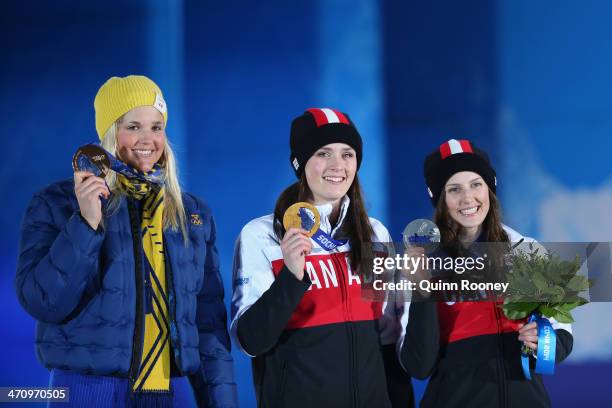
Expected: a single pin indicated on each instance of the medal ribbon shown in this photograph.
(547, 346)
(155, 176)
(325, 240)
(322, 238)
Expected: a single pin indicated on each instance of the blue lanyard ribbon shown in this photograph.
(324, 240)
(547, 347)
(155, 176)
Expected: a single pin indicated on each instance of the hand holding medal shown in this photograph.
(420, 236)
(305, 215)
(90, 164)
(302, 215)
(93, 160)
(301, 221)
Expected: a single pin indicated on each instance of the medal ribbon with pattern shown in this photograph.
(94, 158)
(547, 346)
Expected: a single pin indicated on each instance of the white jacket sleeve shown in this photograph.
(252, 271)
(390, 324)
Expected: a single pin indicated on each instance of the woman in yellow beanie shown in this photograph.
(121, 272)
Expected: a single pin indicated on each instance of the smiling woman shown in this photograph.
(466, 197)
(141, 137)
(298, 310)
(330, 172)
(112, 284)
(469, 347)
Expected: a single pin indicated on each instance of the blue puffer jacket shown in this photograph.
(82, 286)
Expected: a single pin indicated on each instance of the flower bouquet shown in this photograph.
(541, 284)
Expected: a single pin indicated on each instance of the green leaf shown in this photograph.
(514, 314)
(559, 315)
(567, 307)
(539, 280)
(563, 317)
(547, 311)
(527, 307)
(518, 310)
(578, 283)
(582, 300)
(545, 282)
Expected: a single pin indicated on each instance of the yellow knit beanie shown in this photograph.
(118, 96)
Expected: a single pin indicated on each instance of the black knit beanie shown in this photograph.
(452, 157)
(316, 128)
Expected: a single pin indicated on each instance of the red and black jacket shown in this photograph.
(314, 342)
(472, 353)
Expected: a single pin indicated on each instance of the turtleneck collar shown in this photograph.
(325, 211)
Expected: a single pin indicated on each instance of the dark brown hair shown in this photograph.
(356, 226)
(450, 230)
(492, 231)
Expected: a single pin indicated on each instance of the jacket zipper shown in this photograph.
(501, 363)
(138, 327)
(349, 325)
(174, 333)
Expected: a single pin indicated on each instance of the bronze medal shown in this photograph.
(302, 215)
(91, 158)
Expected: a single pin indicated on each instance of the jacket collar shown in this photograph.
(325, 211)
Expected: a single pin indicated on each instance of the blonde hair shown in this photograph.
(174, 212)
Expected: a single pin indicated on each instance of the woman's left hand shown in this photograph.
(528, 334)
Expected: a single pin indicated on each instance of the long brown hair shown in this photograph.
(356, 226)
(492, 231)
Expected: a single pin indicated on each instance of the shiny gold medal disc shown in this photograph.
(302, 215)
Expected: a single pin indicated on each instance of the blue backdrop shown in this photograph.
(528, 81)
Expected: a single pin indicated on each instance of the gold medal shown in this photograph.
(302, 215)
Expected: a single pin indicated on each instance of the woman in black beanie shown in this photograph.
(297, 306)
(468, 346)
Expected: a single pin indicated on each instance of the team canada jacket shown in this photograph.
(472, 352)
(315, 342)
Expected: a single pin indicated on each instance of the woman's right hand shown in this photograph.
(296, 244)
(88, 189)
